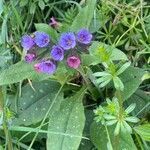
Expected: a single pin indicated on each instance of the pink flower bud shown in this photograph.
(73, 62)
(54, 23)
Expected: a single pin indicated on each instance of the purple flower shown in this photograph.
(84, 36)
(41, 39)
(30, 57)
(73, 62)
(54, 23)
(27, 42)
(45, 66)
(67, 40)
(57, 53)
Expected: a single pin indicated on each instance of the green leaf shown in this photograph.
(19, 72)
(33, 105)
(143, 131)
(132, 119)
(123, 68)
(41, 4)
(47, 29)
(99, 137)
(142, 102)
(118, 83)
(130, 108)
(95, 25)
(88, 60)
(131, 78)
(103, 79)
(112, 51)
(87, 144)
(4, 34)
(69, 120)
(23, 3)
(84, 17)
(32, 8)
(1, 7)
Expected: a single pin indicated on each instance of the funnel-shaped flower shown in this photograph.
(84, 36)
(41, 39)
(57, 53)
(67, 40)
(45, 66)
(27, 42)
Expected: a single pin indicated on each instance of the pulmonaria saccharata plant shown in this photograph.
(67, 47)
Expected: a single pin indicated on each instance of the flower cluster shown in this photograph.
(110, 115)
(67, 42)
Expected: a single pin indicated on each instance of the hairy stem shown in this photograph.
(87, 82)
(6, 131)
(119, 97)
(120, 100)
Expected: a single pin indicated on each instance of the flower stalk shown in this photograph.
(4, 122)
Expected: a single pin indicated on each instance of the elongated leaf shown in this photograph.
(84, 18)
(131, 78)
(118, 83)
(143, 131)
(69, 120)
(142, 101)
(47, 29)
(32, 8)
(123, 68)
(100, 138)
(1, 7)
(4, 34)
(19, 72)
(23, 3)
(87, 144)
(41, 4)
(33, 105)
(88, 60)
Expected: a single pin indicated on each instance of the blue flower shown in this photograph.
(45, 66)
(84, 36)
(57, 53)
(41, 39)
(27, 42)
(67, 41)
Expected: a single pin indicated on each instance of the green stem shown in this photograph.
(119, 97)
(139, 141)
(7, 135)
(87, 82)
(116, 145)
(120, 100)
(6, 131)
